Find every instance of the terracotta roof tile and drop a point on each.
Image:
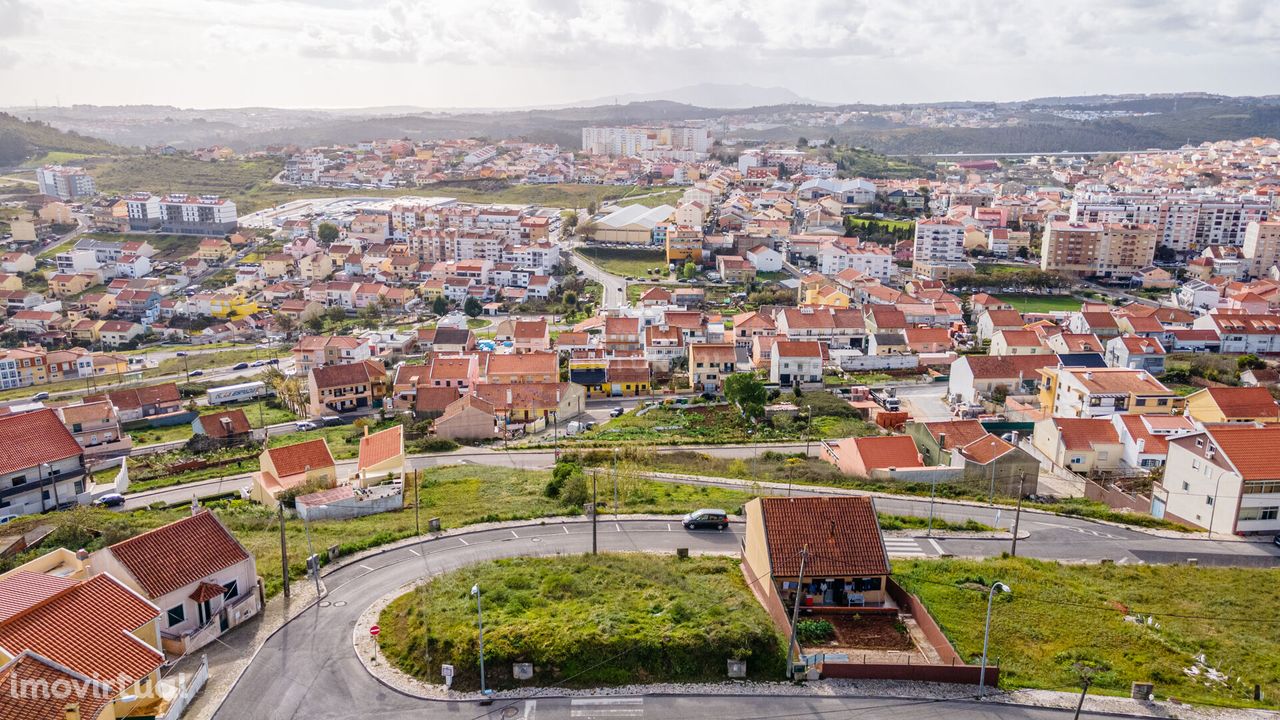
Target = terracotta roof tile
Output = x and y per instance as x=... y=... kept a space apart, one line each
x=173 y=556
x=295 y=459
x=1085 y=433
x=1245 y=402
x=381 y=446
x=842 y=535
x=896 y=451
x=33 y=438
x=1252 y=450
x=237 y=423
x=958 y=432
x=30 y=669
x=985 y=449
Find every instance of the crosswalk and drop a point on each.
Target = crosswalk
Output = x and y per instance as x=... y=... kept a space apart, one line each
x=606 y=707
x=904 y=547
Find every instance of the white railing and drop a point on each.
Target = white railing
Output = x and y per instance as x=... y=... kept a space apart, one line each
x=188 y=691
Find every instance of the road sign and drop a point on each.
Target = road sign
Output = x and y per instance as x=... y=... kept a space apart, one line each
x=446 y=671
x=375 y=630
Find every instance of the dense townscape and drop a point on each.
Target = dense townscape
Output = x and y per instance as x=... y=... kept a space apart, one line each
x=718 y=403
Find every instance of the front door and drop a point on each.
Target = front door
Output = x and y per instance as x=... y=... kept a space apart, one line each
x=204 y=612
x=224 y=622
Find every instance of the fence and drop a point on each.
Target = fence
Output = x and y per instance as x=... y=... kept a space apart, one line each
x=1115 y=498
x=188 y=692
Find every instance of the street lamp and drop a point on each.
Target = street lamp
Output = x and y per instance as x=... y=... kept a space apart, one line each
x=475 y=590
x=986 y=636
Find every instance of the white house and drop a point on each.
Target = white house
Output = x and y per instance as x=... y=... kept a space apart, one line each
x=796 y=362
x=764 y=258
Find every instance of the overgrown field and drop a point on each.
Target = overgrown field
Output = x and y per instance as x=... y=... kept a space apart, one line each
x=585 y=621
x=1124 y=623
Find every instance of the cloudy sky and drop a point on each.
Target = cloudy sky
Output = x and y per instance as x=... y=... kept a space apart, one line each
x=491 y=53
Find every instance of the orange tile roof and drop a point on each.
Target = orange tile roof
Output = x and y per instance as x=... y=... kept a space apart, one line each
x=173 y=556
x=1245 y=402
x=1085 y=433
x=958 y=432
x=88 y=628
x=295 y=459
x=800 y=349
x=365 y=372
x=237 y=423
x=23 y=589
x=842 y=535
x=878 y=453
x=33 y=438
x=534 y=363
x=381 y=446
x=30 y=669
x=1252 y=450
x=985 y=449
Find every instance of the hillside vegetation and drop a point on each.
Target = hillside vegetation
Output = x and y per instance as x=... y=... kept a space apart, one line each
x=162 y=174
x=21 y=139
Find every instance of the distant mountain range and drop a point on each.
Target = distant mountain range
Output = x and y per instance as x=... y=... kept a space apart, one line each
x=1084 y=123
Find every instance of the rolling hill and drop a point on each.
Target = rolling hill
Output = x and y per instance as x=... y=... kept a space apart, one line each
x=21 y=140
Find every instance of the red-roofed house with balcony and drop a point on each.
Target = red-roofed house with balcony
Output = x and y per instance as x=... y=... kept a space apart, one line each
x=346 y=388
x=41 y=464
x=195 y=571
x=796 y=362
x=1224 y=480
x=381 y=457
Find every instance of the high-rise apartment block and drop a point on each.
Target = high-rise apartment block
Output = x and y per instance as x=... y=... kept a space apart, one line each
x=65 y=183
x=681 y=142
x=1261 y=249
x=1113 y=251
x=1185 y=223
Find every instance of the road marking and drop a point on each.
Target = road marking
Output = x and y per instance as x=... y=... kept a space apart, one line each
x=565 y=528
x=463 y=541
x=606 y=707
x=904 y=547
x=366 y=567
x=415 y=552
x=936 y=546
x=668 y=527
x=513 y=534
x=617 y=527
x=530 y=709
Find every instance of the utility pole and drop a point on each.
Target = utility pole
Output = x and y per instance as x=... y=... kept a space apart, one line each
x=1017 y=514
x=594 y=514
x=615 y=482
x=475 y=590
x=795 y=609
x=1085 y=682
x=311 y=553
x=284 y=551
x=933 y=488
x=417 y=523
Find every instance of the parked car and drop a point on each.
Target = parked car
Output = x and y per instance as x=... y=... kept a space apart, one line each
x=241 y=366
x=195 y=373
x=110 y=500
x=304 y=425
x=181 y=353
x=617 y=412
x=257 y=363
x=6 y=519
x=329 y=420
x=706 y=518
x=42 y=395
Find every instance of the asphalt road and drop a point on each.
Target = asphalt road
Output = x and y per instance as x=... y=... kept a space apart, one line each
x=615 y=287
x=309 y=668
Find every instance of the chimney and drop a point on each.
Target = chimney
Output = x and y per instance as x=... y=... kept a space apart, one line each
x=1142 y=445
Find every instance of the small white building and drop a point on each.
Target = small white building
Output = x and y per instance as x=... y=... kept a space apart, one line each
x=764 y=258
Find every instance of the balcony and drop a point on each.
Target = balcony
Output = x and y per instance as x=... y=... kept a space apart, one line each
x=239 y=611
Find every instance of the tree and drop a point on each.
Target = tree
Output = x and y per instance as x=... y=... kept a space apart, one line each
x=571 y=299
x=371 y=313
x=1023 y=253
x=802 y=142
x=689 y=270
x=570 y=221
x=286 y=323
x=591 y=208
x=336 y=313
x=327 y=232
x=1250 y=362
x=472 y=307
x=747 y=392
x=439 y=306
x=315 y=323
x=587 y=229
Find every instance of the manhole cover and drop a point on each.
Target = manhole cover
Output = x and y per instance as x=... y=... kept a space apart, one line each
x=324 y=603
x=340 y=603
x=537 y=539
x=510 y=711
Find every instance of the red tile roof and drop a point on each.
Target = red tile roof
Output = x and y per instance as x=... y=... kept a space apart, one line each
x=1252 y=450
x=1085 y=433
x=34 y=438
x=381 y=446
x=1245 y=402
x=88 y=628
x=24 y=589
x=237 y=423
x=135 y=398
x=365 y=372
x=295 y=459
x=30 y=669
x=173 y=556
x=958 y=432
x=890 y=451
x=842 y=535
x=985 y=449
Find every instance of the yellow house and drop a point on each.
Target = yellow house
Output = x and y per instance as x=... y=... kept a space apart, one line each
x=828 y=295
x=315 y=267
x=214 y=250
x=381 y=457
x=1233 y=404
x=108 y=364
x=684 y=243
x=57 y=213
x=25 y=365
x=293 y=467
x=277 y=265
x=87 y=330
x=9 y=281
x=100 y=303
x=231 y=304
x=64 y=284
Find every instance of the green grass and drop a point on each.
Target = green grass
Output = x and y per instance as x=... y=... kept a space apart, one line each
x=160 y=174
x=997 y=269
x=668 y=197
x=55 y=157
x=1060 y=615
x=626 y=261
x=890 y=224
x=168 y=246
x=1041 y=303
x=585 y=621
x=152 y=436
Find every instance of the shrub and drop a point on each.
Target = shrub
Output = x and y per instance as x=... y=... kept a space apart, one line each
x=809 y=632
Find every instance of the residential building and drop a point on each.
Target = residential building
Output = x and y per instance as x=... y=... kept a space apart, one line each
x=796 y=363
x=1145 y=438
x=1261 y=248
x=1233 y=405
x=195 y=571
x=292 y=467
x=144 y=402
x=1224 y=479
x=1110 y=251
x=196 y=214
x=867 y=457
x=65 y=183
x=1101 y=392
x=313 y=351
x=939 y=242
x=1136 y=353
x=96 y=427
x=346 y=388
x=710 y=364
x=43 y=467
x=1082 y=445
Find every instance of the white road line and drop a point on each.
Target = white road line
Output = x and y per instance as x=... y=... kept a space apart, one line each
x=565 y=528
x=513 y=534
x=936 y=546
x=463 y=541
x=617 y=527
x=608 y=701
x=668 y=527
x=530 y=709
x=366 y=567
x=415 y=552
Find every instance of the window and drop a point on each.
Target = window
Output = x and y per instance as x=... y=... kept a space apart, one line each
x=1208 y=499
x=1260 y=513
x=1256 y=487
x=1078 y=460
x=230 y=591
x=177 y=615
x=1186 y=485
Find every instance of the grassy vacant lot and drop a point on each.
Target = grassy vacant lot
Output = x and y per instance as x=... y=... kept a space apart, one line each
x=1058 y=616
x=168 y=247
x=265 y=194
x=54 y=157
x=626 y=261
x=667 y=197
x=458 y=495
x=891 y=224
x=1041 y=303
x=181 y=174
x=585 y=621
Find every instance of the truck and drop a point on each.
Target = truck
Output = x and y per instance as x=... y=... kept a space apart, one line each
x=238 y=393
x=887 y=398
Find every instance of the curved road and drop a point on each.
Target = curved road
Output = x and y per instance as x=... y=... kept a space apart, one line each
x=309 y=670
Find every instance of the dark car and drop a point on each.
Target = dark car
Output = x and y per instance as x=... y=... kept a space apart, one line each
x=195 y=373
x=618 y=412
x=110 y=500
x=706 y=518
x=1276 y=539
x=241 y=366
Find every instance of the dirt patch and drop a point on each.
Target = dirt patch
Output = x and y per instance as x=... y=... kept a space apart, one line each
x=867 y=632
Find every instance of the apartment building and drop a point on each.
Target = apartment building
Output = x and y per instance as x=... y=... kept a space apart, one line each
x=1184 y=223
x=65 y=183
x=938 y=249
x=1102 y=392
x=1223 y=479
x=1114 y=251
x=1261 y=247
x=189 y=214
